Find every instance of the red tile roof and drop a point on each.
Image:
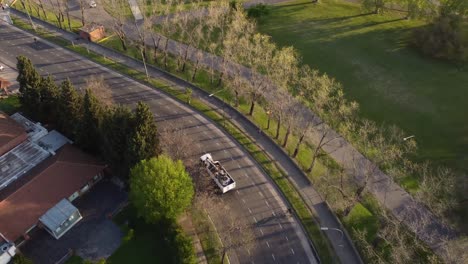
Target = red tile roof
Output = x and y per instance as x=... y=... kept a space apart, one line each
x=11 y=133
x=57 y=178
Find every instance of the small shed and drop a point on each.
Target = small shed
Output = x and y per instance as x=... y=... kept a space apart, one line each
x=92 y=32
x=4 y=84
x=60 y=218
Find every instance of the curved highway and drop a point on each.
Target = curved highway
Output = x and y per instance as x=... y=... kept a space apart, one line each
x=279 y=238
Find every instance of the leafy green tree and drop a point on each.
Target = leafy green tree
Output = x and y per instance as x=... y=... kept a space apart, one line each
x=116 y=128
x=183 y=247
x=143 y=142
x=160 y=188
x=29 y=81
x=49 y=99
x=88 y=132
x=69 y=108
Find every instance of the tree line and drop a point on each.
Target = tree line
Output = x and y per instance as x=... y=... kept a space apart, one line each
x=160 y=188
x=122 y=137
x=300 y=100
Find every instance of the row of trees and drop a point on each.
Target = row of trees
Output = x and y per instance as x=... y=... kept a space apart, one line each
x=121 y=136
x=160 y=188
x=254 y=69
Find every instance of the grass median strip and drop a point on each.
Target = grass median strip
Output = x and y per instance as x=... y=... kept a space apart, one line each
x=305 y=215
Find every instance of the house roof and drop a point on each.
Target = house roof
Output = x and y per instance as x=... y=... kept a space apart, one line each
x=57 y=215
x=11 y=133
x=56 y=178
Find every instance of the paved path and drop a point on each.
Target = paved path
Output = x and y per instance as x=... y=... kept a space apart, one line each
x=281 y=240
x=135 y=10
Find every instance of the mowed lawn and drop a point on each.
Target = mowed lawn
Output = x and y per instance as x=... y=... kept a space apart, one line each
x=393 y=83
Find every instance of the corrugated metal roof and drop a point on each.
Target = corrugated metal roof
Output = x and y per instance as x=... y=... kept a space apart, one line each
x=58 y=214
x=20 y=160
x=35 y=130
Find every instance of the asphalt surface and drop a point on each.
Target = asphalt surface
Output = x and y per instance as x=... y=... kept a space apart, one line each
x=279 y=237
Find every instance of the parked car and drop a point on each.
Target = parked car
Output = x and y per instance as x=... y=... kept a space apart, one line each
x=92 y=4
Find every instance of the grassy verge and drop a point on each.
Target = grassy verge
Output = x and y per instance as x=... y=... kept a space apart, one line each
x=119 y=8
x=10 y=104
x=207 y=235
x=49 y=16
x=291 y=194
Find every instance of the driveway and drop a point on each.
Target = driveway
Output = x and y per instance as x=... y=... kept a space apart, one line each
x=94 y=237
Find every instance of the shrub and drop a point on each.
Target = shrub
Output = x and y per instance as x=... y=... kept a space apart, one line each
x=443 y=39
x=258 y=11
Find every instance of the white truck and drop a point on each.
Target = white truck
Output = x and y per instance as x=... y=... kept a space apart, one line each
x=218 y=173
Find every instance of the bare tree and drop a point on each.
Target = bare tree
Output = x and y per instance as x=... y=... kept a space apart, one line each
x=58 y=12
x=305 y=121
x=82 y=8
x=100 y=89
x=43 y=10
x=234 y=232
x=117 y=11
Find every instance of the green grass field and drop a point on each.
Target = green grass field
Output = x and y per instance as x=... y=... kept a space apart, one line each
x=147 y=245
x=393 y=83
x=10 y=104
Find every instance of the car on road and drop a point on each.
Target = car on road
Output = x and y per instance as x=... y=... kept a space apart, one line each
x=92 y=4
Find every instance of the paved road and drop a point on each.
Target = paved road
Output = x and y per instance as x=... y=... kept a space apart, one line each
x=280 y=240
x=393 y=197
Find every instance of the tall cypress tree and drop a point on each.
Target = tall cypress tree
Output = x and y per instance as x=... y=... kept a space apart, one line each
x=88 y=133
x=49 y=98
x=29 y=81
x=116 y=126
x=144 y=141
x=69 y=109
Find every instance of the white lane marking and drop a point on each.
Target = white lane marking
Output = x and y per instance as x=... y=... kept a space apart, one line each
x=261 y=194
x=237 y=191
x=250 y=211
x=273 y=213
x=292 y=251
x=287 y=239
x=280 y=225
x=268 y=244
x=273 y=256
x=255 y=219
x=266 y=202
x=239 y=166
x=243 y=200
x=217 y=143
x=261 y=231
